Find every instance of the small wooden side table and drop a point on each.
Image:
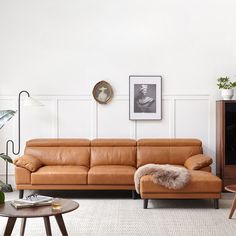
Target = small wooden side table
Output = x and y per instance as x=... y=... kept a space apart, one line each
x=232 y=189
x=6 y=210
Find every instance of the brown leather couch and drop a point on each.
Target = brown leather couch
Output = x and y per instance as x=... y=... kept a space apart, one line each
x=109 y=164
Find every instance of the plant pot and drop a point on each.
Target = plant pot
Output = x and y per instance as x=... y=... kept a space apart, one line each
x=227 y=94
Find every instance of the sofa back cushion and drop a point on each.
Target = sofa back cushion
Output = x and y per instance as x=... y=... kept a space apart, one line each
x=60 y=151
x=166 y=151
x=113 y=152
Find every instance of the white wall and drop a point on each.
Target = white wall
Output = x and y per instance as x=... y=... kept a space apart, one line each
x=58 y=50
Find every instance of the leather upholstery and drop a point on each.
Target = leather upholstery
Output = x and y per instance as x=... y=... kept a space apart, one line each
x=61 y=155
x=201 y=182
x=152 y=142
x=22 y=176
x=115 y=142
x=77 y=186
x=60 y=151
x=113 y=156
x=60 y=175
x=166 y=151
x=114 y=174
x=197 y=162
x=207 y=169
x=165 y=155
x=28 y=162
x=53 y=142
x=113 y=152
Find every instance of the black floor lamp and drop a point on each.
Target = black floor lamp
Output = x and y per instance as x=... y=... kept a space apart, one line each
x=29 y=101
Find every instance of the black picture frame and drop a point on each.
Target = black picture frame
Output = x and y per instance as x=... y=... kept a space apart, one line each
x=145 y=97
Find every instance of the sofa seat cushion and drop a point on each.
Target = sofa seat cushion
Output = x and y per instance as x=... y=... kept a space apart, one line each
x=200 y=182
x=111 y=174
x=60 y=175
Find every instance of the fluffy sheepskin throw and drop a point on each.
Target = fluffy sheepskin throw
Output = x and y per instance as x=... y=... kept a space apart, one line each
x=172 y=177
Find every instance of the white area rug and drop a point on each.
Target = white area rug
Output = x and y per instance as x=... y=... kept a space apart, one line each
x=126 y=217
x=105 y=217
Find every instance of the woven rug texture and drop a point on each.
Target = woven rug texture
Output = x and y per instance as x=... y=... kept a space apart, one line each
x=126 y=217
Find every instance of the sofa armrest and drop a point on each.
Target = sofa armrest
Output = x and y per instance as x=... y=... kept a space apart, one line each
x=197 y=162
x=22 y=176
x=28 y=162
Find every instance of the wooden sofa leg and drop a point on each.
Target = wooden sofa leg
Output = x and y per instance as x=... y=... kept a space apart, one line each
x=21 y=193
x=216 y=203
x=145 y=203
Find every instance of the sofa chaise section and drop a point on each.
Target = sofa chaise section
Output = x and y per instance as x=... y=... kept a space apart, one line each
x=185 y=153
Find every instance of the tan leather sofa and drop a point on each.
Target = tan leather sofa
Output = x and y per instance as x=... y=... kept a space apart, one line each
x=109 y=164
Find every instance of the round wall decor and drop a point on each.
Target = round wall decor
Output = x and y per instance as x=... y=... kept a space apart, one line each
x=102 y=92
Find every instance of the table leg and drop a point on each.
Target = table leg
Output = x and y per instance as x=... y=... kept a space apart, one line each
x=47 y=225
x=10 y=225
x=61 y=224
x=22 y=227
x=232 y=208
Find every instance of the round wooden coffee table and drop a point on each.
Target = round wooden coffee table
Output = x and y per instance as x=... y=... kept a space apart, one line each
x=232 y=189
x=7 y=210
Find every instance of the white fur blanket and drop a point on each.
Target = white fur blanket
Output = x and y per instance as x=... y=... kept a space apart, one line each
x=172 y=177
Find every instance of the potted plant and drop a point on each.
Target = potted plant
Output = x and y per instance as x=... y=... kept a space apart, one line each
x=226 y=86
x=2 y=197
x=3 y=186
x=5 y=116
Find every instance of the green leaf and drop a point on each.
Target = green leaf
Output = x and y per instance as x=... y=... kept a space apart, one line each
x=6 y=158
x=225 y=83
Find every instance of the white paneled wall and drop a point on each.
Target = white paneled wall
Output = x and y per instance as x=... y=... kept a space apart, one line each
x=183 y=116
x=191 y=117
x=156 y=128
x=77 y=111
x=113 y=119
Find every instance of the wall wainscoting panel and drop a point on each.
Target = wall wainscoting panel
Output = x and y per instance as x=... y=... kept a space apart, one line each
x=79 y=116
x=75 y=118
x=157 y=128
x=113 y=119
x=191 y=119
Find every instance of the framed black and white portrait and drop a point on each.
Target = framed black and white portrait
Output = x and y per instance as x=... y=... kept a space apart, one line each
x=145 y=97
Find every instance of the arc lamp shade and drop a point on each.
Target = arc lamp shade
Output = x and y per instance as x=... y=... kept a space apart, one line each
x=29 y=101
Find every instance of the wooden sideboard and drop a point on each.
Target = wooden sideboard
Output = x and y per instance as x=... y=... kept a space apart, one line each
x=226 y=141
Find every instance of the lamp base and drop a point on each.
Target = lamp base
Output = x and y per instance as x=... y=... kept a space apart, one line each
x=5 y=187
